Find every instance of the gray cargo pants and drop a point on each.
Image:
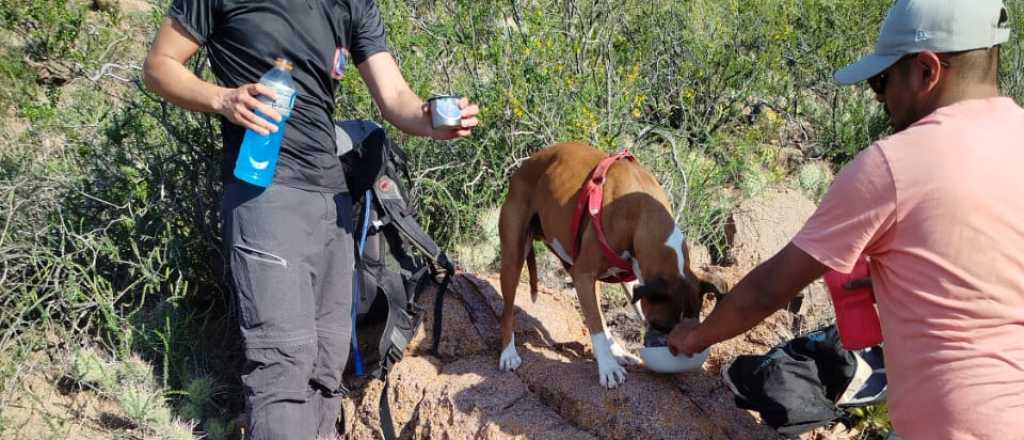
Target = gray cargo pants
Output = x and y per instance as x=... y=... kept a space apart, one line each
x=291 y=256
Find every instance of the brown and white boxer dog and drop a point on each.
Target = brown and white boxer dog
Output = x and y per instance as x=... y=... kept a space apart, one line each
x=638 y=224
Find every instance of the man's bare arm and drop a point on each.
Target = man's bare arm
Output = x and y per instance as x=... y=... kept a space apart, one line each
x=766 y=289
x=165 y=73
x=401 y=106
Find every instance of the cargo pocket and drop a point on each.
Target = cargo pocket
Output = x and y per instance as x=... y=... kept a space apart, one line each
x=266 y=294
x=263 y=256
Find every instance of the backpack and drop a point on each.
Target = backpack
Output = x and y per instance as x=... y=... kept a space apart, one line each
x=807 y=382
x=396 y=261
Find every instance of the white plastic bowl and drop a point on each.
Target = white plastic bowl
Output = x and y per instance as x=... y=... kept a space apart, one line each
x=660 y=360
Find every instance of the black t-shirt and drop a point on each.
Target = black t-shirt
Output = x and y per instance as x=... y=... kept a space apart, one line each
x=243 y=38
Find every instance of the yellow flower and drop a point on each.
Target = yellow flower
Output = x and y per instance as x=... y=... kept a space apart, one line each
x=634 y=74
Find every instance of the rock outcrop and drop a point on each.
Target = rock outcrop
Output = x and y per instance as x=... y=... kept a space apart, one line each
x=555 y=394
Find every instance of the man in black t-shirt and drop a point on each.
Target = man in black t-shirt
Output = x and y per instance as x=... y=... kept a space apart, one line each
x=290 y=245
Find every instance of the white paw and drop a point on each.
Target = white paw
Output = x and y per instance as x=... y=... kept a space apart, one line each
x=623 y=357
x=611 y=374
x=610 y=371
x=510 y=359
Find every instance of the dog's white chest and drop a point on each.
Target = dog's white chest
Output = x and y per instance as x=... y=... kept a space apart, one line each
x=675 y=242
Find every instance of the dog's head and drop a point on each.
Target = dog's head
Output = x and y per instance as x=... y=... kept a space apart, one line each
x=666 y=301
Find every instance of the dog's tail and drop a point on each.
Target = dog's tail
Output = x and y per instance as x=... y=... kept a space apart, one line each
x=531 y=266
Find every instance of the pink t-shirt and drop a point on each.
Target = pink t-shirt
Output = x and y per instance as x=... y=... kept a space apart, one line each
x=939 y=209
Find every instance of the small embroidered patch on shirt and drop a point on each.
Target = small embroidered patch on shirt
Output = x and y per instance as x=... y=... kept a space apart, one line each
x=340 y=63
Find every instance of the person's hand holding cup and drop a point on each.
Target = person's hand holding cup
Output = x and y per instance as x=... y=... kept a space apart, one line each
x=451 y=116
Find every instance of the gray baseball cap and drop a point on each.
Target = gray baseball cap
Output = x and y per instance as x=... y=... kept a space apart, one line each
x=939 y=26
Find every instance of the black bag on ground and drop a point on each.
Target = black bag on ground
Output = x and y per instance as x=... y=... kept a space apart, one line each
x=807 y=382
x=396 y=260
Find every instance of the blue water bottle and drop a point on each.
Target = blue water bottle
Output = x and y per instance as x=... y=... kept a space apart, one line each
x=257 y=157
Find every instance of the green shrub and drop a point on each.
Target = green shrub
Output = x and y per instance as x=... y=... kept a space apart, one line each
x=89 y=368
x=144 y=406
x=872 y=419
x=176 y=430
x=814 y=179
x=50 y=28
x=135 y=371
x=217 y=430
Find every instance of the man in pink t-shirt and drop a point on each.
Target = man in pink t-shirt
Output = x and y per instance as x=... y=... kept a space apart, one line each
x=938 y=208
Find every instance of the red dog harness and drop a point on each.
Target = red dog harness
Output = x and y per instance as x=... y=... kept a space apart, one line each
x=591 y=198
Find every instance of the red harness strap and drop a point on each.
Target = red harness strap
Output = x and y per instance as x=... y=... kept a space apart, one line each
x=591 y=198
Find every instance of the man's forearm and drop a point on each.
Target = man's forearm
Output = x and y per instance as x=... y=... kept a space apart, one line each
x=766 y=289
x=398 y=103
x=405 y=111
x=173 y=81
x=741 y=309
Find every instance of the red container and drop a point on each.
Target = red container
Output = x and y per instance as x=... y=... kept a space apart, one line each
x=856 y=316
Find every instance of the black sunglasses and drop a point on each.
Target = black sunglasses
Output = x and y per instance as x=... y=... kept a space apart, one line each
x=877 y=82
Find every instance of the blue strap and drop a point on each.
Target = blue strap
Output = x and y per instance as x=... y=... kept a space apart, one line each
x=357 y=356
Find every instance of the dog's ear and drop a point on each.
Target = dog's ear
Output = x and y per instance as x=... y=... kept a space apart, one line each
x=713 y=283
x=639 y=292
x=652 y=293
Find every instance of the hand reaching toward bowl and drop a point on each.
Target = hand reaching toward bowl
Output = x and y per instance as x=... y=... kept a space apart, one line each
x=683 y=340
x=658 y=358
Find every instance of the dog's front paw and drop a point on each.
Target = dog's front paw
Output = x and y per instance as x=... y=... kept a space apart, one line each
x=510 y=359
x=623 y=357
x=609 y=369
x=611 y=376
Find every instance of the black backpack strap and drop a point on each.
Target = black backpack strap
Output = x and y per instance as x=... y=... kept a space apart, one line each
x=412 y=230
x=387 y=422
x=402 y=320
x=439 y=309
x=364 y=226
x=397 y=340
